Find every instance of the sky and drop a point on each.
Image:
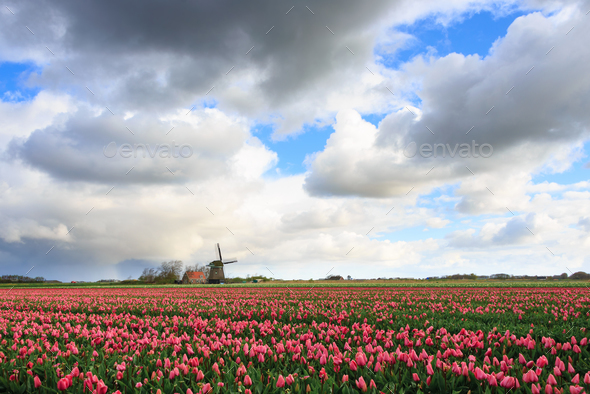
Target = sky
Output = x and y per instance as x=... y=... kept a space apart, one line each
x=398 y=140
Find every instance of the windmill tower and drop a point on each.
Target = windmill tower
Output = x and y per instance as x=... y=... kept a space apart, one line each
x=216 y=274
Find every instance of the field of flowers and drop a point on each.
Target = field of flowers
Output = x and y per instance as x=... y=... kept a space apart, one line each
x=272 y=340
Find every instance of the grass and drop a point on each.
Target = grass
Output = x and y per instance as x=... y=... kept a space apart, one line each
x=323 y=283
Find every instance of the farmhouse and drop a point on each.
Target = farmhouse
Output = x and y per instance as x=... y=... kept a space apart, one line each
x=192 y=277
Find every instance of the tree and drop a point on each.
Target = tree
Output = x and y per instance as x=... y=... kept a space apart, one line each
x=198 y=268
x=149 y=275
x=170 y=271
x=563 y=276
x=580 y=275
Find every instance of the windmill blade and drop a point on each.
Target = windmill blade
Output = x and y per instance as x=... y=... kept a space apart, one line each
x=218 y=252
x=230 y=260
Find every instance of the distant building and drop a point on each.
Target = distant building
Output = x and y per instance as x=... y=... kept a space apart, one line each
x=334 y=277
x=109 y=280
x=193 y=277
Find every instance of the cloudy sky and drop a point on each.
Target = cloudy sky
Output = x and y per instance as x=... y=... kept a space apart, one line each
x=299 y=136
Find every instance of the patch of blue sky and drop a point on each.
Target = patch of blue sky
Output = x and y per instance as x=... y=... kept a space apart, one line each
x=293 y=150
x=374 y=119
x=578 y=172
x=13 y=82
x=209 y=102
x=469 y=35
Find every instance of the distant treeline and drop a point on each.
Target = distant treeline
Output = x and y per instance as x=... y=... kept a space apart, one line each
x=580 y=275
x=173 y=271
x=170 y=272
x=20 y=279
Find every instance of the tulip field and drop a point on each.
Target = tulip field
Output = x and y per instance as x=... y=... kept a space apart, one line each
x=273 y=340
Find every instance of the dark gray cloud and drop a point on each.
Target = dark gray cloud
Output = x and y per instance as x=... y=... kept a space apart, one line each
x=157 y=56
x=544 y=112
x=88 y=148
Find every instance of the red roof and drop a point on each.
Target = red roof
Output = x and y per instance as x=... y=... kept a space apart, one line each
x=195 y=275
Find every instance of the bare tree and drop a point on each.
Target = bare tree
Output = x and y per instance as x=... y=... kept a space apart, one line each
x=198 y=268
x=171 y=270
x=149 y=275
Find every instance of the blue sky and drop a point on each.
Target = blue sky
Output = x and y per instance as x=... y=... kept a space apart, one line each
x=13 y=77
x=474 y=34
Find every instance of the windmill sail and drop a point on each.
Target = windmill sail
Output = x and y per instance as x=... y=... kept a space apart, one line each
x=230 y=260
x=218 y=252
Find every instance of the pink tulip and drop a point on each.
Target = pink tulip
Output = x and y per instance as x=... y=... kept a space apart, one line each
x=576 y=379
x=290 y=379
x=508 y=382
x=247 y=380
x=361 y=359
x=492 y=381
x=536 y=389
x=479 y=374
x=542 y=361
x=551 y=380
x=530 y=377
x=576 y=389
x=37 y=382
x=429 y=369
x=548 y=389
x=281 y=381
x=63 y=384
x=360 y=384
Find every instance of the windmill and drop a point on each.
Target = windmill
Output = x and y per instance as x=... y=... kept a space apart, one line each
x=216 y=274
